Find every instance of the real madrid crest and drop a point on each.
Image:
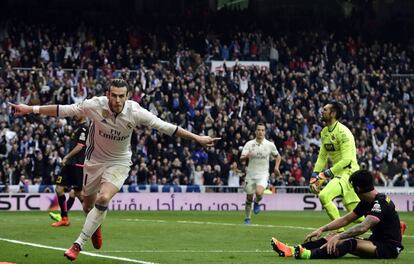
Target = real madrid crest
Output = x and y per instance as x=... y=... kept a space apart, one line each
x=129 y=125
x=105 y=113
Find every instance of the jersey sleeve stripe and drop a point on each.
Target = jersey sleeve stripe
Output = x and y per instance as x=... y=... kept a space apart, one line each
x=91 y=146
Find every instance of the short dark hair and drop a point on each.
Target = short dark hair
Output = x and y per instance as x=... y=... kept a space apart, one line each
x=260 y=124
x=118 y=82
x=362 y=181
x=337 y=108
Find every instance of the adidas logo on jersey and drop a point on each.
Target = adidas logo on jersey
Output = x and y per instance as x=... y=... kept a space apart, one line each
x=376 y=208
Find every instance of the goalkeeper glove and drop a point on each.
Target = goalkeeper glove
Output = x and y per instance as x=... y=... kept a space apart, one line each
x=318 y=179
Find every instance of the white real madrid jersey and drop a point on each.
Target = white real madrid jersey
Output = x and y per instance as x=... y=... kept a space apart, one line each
x=260 y=156
x=109 y=134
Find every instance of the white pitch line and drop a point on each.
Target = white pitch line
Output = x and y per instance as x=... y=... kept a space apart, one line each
x=253 y=225
x=215 y=223
x=82 y=252
x=187 y=251
x=226 y=224
x=202 y=251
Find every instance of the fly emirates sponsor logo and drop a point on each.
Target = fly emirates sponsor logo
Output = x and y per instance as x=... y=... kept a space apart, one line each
x=113 y=135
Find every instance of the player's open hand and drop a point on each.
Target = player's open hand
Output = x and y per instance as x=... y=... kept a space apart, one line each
x=21 y=109
x=207 y=141
x=314 y=235
x=331 y=244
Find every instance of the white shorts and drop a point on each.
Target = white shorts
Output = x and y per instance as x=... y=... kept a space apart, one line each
x=251 y=184
x=96 y=174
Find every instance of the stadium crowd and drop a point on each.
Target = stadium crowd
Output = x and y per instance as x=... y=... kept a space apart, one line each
x=169 y=72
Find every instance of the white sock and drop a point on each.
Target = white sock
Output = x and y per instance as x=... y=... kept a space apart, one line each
x=93 y=220
x=248 y=209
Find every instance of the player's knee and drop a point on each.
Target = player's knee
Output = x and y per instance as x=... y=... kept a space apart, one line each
x=249 y=198
x=103 y=199
x=259 y=191
x=324 y=198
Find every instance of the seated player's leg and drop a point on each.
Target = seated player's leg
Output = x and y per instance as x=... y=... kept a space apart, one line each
x=377 y=249
x=250 y=189
x=343 y=247
x=260 y=187
x=365 y=249
x=329 y=192
x=314 y=244
x=283 y=250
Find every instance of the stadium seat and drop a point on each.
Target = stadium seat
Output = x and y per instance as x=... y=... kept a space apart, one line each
x=154 y=188
x=177 y=188
x=133 y=188
x=166 y=188
x=196 y=188
x=46 y=188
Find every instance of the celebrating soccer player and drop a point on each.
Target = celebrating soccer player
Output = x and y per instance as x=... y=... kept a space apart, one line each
x=108 y=154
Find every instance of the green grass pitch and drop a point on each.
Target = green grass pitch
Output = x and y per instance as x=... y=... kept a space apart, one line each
x=170 y=237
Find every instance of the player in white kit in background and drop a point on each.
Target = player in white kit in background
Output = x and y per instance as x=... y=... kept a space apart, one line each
x=258 y=152
x=108 y=154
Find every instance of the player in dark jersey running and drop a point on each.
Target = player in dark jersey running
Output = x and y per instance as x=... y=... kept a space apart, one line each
x=71 y=177
x=380 y=217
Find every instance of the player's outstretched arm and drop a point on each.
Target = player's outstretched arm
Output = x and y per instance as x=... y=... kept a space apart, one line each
x=22 y=109
x=204 y=141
